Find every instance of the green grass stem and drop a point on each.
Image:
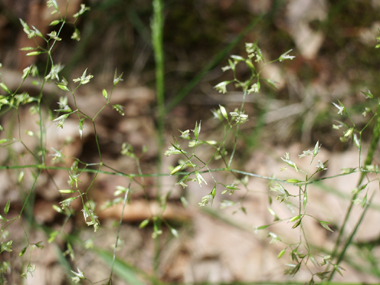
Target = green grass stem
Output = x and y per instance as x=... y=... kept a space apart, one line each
x=157 y=41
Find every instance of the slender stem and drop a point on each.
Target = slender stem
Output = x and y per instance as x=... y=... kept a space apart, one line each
x=157 y=41
x=157 y=35
x=118 y=231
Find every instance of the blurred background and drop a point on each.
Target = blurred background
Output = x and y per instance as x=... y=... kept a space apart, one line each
x=335 y=59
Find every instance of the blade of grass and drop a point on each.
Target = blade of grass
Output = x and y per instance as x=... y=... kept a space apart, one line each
x=64 y=264
x=139 y=26
x=62 y=260
x=277 y=7
x=127 y=272
x=217 y=214
x=211 y=64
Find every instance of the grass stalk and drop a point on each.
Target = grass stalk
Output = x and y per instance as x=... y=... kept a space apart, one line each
x=157 y=41
x=157 y=38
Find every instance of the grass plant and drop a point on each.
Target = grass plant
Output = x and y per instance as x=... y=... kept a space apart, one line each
x=193 y=166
